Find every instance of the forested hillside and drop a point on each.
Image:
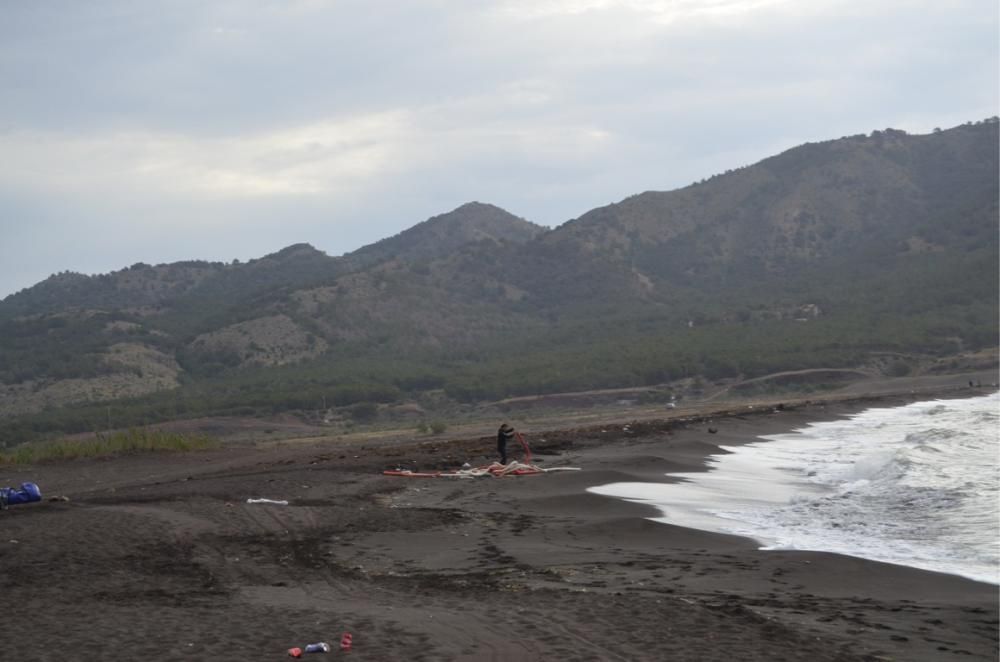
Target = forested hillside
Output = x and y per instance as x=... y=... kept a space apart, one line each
x=833 y=254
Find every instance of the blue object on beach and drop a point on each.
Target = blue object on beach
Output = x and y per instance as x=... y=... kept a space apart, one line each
x=12 y=496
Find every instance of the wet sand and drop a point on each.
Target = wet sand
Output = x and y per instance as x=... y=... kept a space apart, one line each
x=160 y=557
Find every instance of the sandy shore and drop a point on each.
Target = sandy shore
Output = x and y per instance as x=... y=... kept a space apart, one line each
x=160 y=557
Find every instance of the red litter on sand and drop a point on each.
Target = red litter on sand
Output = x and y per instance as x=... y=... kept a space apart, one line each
x=321 y=647
x=346 y=641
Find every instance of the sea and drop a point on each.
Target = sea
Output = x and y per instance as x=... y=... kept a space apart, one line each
x=915 y=485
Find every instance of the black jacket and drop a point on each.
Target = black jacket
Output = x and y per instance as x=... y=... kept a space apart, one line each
x=503 y=436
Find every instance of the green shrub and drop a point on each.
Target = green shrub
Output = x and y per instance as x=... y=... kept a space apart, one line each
x=364 y=412
x=898 y=369
x=119 y=443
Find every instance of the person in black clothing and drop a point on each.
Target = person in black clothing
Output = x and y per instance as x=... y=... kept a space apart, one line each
x=504 y=434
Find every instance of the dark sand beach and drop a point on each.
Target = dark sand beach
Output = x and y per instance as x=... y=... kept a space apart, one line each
x=160 y=557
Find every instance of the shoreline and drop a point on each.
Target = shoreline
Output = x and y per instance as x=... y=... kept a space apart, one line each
x=694 y=507
x=163 y=554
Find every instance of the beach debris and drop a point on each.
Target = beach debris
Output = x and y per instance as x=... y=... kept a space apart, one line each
x=59 y=498
x=712 y=430
x=497 y=470
x=346 y=642
x=275 y=502
x=321 y=647
x=12 y=496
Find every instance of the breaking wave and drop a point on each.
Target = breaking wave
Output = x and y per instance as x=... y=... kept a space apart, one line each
x=917 y=485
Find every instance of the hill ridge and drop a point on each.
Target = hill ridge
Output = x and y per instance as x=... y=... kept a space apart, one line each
x=833 y=254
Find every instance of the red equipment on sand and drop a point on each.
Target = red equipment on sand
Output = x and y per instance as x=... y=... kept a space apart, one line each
x=524 y=445
x=496 y=469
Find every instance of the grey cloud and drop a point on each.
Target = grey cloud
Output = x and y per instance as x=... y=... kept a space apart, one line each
x=339 y=123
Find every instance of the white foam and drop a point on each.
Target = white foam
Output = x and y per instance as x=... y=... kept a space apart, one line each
x=917 y=485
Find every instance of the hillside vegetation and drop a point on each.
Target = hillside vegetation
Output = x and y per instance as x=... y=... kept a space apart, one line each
x=830 y=255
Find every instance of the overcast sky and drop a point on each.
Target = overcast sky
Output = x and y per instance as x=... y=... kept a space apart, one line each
x=221 y=129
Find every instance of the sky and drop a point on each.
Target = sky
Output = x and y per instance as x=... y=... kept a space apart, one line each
x=217 y=130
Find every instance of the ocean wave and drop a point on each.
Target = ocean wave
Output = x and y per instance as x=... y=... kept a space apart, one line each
x=915 y=485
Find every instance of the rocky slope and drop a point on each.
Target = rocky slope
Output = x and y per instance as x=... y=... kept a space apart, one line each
x=867 y=243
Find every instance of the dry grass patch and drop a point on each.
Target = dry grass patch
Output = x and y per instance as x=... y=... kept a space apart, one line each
x=103 y=445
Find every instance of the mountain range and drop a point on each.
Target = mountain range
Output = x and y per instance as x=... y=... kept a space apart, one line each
x=875 y=250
